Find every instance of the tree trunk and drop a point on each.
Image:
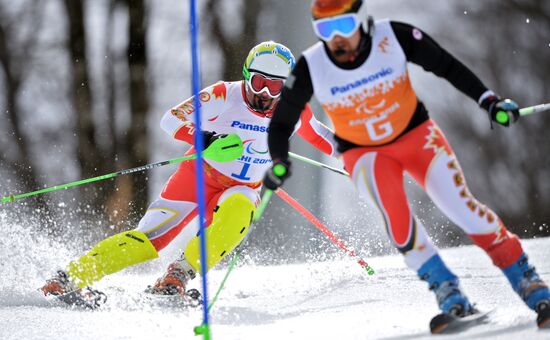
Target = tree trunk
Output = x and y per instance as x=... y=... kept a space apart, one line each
x=90 y=158
x=21 y=163
x=234 y=49
x=137 y=138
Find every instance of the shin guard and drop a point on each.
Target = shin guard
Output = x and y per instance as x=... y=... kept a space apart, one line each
x=229 y=227
x=111 y=255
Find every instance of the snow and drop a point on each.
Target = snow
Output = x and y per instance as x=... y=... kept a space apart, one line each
x=334 y=299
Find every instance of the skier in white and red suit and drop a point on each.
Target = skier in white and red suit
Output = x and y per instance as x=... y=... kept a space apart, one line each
x=232 y=188
x=358 y=72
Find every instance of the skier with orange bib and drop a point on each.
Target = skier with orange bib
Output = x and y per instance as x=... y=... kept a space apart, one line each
x=358 y=72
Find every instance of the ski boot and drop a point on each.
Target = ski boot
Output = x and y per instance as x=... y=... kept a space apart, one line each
x=58 y=285
x=531 y=288
x=174 y=282
x=445 y=286
x=457 y=312
x=60 y=288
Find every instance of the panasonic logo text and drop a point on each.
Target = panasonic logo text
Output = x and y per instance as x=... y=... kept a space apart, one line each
x=361 y=82
x=250 y=127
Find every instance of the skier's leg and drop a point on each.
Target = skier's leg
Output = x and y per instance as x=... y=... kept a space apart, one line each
x=443 y=180
x=233 y=212
x=230 y=224
x=164 y=219
x=111 y=255
x=162 y=222
x=379 y=180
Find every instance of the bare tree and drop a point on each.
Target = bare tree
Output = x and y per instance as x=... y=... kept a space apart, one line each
x=15 y=57
x=514 y=166
x=136 y=140
x=91 y=158
x=233 y=47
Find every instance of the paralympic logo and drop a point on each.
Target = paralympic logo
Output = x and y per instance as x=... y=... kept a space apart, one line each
x=250 y=150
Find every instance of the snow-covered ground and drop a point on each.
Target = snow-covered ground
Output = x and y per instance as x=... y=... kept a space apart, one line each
x=323 y=300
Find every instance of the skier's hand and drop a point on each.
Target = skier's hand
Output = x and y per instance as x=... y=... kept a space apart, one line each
x=501 y=111
x=276 y=175
x=208 y=137
x=222 y=147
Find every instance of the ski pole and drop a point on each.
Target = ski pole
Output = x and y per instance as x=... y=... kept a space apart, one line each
x=267 y=194
x=279 y=170
x=234 y=259
x=534 y=109
x=263 y=204
x=335 y=240
x=503 y=118
x=319 y=164
x=12 y=198
x=221 y=150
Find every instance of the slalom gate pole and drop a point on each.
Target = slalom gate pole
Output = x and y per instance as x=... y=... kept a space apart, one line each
x=319 y=225
x=204 y=328
x=534 y=109
x=12 y=198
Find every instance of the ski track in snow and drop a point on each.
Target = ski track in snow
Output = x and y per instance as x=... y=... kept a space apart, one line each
x=324 y=300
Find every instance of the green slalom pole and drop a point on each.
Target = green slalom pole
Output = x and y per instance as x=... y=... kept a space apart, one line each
x=12 y=198
x=503 y=118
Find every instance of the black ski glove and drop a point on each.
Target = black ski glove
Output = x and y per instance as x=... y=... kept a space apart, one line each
x=276 y=175
x=209 y=137
x=501 y=111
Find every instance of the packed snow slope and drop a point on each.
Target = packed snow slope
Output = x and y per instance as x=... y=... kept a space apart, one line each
x=319 y=300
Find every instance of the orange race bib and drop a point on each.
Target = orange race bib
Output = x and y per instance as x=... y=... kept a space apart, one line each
x=376 y=116
x=373 y=103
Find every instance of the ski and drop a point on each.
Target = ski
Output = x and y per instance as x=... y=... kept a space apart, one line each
x=192 y=297
x=543 y=316
x=86 y=298
x=447 y=323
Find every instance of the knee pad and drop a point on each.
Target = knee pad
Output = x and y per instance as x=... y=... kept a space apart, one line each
x=111 y=255
x=163 y=215
x=230 y=224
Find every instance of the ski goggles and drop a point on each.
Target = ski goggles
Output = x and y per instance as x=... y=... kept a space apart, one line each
x=260 y=83
x=344 y=25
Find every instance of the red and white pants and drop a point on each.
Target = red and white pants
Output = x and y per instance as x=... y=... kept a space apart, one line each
x=170 y=214
x=425 y=154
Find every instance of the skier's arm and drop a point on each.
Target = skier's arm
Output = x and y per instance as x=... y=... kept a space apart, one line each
x=296 y=93
x=422 y=50
x=316 y=133
x=178 y=122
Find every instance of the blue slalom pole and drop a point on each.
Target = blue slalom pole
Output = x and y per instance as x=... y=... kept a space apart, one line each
x=203 y=329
